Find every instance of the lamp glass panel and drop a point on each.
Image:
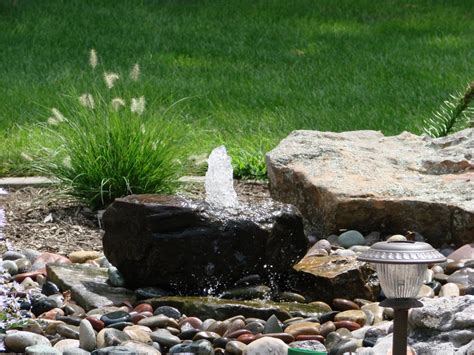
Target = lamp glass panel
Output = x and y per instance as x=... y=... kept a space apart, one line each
x=401 y=280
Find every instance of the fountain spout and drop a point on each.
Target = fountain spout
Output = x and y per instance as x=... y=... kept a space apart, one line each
x=219 y=181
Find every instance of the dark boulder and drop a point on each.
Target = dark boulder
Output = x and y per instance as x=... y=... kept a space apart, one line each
x=191 y=248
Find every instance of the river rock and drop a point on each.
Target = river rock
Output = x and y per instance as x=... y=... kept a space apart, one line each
x=444 y=323
x=18 y=341
x=42 y=350
x=87 y=336
x=88 y=285
x=266 y=346
x=365 y=181
x=323 y=278
x=216 y=246
x=216 y=308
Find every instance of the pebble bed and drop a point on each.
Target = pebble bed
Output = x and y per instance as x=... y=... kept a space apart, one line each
x=37 y=318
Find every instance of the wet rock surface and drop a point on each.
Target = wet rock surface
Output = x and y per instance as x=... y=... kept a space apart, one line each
x=366 y=181
x=171 y=242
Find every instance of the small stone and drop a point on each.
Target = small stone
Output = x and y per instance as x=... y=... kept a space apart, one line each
x=218 y=327
x=49 y=288
x=164 y=338
x=425 y=291
x=82 y=256
x=235 y=347
x=321 y=306
x=247 y=293
x=10 y=266
x=47 y=258
x=344 y=252
x=312 y=345
x=42 y=350
x=464 y=276
x=358 y=249
x=272 y=325
x=136 y=333
x=168 y=311
x=266 y=346
x=68 y=331
x=376 y=310
x=435 y=286
x=453 y=266
x=115 y=277
x=371 y=238
x=235 y=334
x=285 y=337
x=304 y=337
x=74 y=309
x=441 y=278
x=193 y=322
x=97 y=324
x=371 y=336
x=12 y=255
x=303 y=328
x=464 y=252
x=345 y=346
x=18 y=341
x=449 y=290
x=31 y=254
x=248 y=280
x=350 y=238
x=115 y=317
x=110 y=337
x=32 y=275
x=202 y=347
x=327 y=328
x=23 y=265
x=137 y=347
x=357 y=316
x=70 y=346
x=322 y=244
x=437 y=269
x=211 y=336
x=43 y=305
x=397 y=238
x=341 y=304
x=159 y=321
x=291 y=297
x=87 y=336
x=350 y=325
x=255 y=327
x=52 y=314
x=246 y=338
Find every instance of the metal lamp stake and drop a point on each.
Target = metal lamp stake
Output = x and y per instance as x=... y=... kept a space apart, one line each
x=400 y=267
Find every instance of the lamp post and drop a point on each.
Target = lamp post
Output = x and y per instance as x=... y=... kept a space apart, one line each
x=400 y=267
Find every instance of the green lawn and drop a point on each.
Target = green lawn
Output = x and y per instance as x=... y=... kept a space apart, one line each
x=251 y=70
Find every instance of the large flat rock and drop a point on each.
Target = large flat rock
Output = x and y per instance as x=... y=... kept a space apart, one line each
x=88 y=285
x=217 y=308
x=363 y=180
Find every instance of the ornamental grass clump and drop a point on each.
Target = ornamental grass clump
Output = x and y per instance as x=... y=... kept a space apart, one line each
x=104 y=145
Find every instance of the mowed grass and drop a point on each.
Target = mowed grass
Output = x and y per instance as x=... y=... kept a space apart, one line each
x=249 y=71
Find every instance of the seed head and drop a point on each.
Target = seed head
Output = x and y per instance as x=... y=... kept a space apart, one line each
x=117 y=103
x=53 y=121
x=58 y=115
x=110 y=79
x=87 y=100
x=138 y=105
x=93 y=58
x=26 y=156
x=135 y=72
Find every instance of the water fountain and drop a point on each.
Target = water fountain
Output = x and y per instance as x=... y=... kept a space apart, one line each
x=191 y=246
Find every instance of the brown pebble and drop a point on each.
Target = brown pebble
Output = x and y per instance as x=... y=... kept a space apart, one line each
x=341 y=304
x=285 y=337
x=234 y=325
x=143 y=307
x=453 y=266
x=32 y=274
x=347 y=324
x=319 y=338
x=236 y=333
x=441 y=278
x=194 y=322
x=327 y=328
x=218 y=327
x=247 y=338
x=97 y=324
x=52 y=314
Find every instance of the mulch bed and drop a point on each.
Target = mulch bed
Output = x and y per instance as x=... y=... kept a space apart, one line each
x=46 y=220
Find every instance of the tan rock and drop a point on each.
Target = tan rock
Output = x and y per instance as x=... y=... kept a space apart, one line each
x=354 y=315
x=82 y=256
x=303 y=328
x=376 y=310
x=138 y=334
x=366 y=181
x=66 y=344
x=449 y=290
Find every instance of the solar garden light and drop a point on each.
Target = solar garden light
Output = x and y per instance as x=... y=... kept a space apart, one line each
x=400 y=267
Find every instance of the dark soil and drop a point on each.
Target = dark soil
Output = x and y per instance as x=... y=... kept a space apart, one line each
x=46 y=220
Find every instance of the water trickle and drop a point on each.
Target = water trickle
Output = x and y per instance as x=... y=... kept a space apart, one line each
x=219 y=182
